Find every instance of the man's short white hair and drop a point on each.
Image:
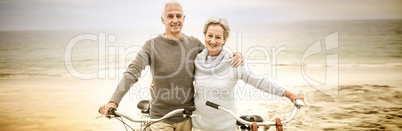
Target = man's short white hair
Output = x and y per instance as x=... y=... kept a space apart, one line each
x=171 y=2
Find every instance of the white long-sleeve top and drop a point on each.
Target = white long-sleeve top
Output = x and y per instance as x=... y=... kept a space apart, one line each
x=215 y=81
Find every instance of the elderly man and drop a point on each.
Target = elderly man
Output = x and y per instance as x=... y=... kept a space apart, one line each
x=171 y=57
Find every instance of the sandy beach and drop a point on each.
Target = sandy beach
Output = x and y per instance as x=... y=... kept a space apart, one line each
x=364 y=103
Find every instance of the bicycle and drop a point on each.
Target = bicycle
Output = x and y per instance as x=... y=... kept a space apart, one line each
x=252 y=122
x=145 y=121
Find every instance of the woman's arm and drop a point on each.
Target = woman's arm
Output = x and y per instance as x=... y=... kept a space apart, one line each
x=292 y=97
x=264 y=83
x=259 y=81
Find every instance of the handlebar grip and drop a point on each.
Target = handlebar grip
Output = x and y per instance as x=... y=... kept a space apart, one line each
x=190 y=108
x=212 y=104
x=299 y=103
x=111 y=111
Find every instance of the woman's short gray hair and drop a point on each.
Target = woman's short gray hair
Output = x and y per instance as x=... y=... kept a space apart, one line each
x=172 y=2
x=219 y=21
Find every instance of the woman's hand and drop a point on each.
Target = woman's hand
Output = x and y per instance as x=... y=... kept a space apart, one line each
x=104 y=109
x=237 y=60
x=292 y=97
x=152 y=87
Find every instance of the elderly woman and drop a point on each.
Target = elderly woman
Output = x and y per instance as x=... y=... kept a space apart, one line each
x=215 y=80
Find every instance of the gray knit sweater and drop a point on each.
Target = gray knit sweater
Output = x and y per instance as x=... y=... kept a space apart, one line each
x=172 y=68
x=215 y=81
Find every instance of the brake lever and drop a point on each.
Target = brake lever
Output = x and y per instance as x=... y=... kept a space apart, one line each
x=195 y=116
x=99 y=117
x=106 y=116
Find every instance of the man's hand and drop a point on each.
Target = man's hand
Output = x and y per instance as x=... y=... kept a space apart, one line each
x=103 y=109
x=237 y=60
x=152 y=86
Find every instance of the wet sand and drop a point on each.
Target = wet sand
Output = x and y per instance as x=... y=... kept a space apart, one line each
x=369 y=99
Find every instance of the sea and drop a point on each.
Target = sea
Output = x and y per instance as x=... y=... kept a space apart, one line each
x=364 y=43
x=362 y=59
x=43 y=54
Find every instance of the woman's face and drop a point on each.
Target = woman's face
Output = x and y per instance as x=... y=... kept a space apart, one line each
x=214 y=39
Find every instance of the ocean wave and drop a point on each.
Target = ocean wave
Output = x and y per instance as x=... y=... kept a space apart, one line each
x=29 y=75
x=49 y=72
x=339 y=65
x=371 y=65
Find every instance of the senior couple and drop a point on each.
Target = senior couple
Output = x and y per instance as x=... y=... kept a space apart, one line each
x=177 y=60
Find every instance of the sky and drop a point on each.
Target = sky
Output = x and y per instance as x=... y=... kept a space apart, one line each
x=129 y=14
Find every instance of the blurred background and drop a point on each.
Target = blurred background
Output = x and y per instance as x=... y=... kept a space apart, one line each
x=23 y=15
x=39 y=92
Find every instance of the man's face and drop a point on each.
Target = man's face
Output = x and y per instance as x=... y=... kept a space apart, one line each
x=173 y=19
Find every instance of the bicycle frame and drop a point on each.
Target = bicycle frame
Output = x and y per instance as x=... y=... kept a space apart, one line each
x=298 y=104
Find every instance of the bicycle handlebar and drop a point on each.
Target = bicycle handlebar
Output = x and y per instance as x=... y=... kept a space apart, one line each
x=298 y=104
x=213 y=105
x=187 y=112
